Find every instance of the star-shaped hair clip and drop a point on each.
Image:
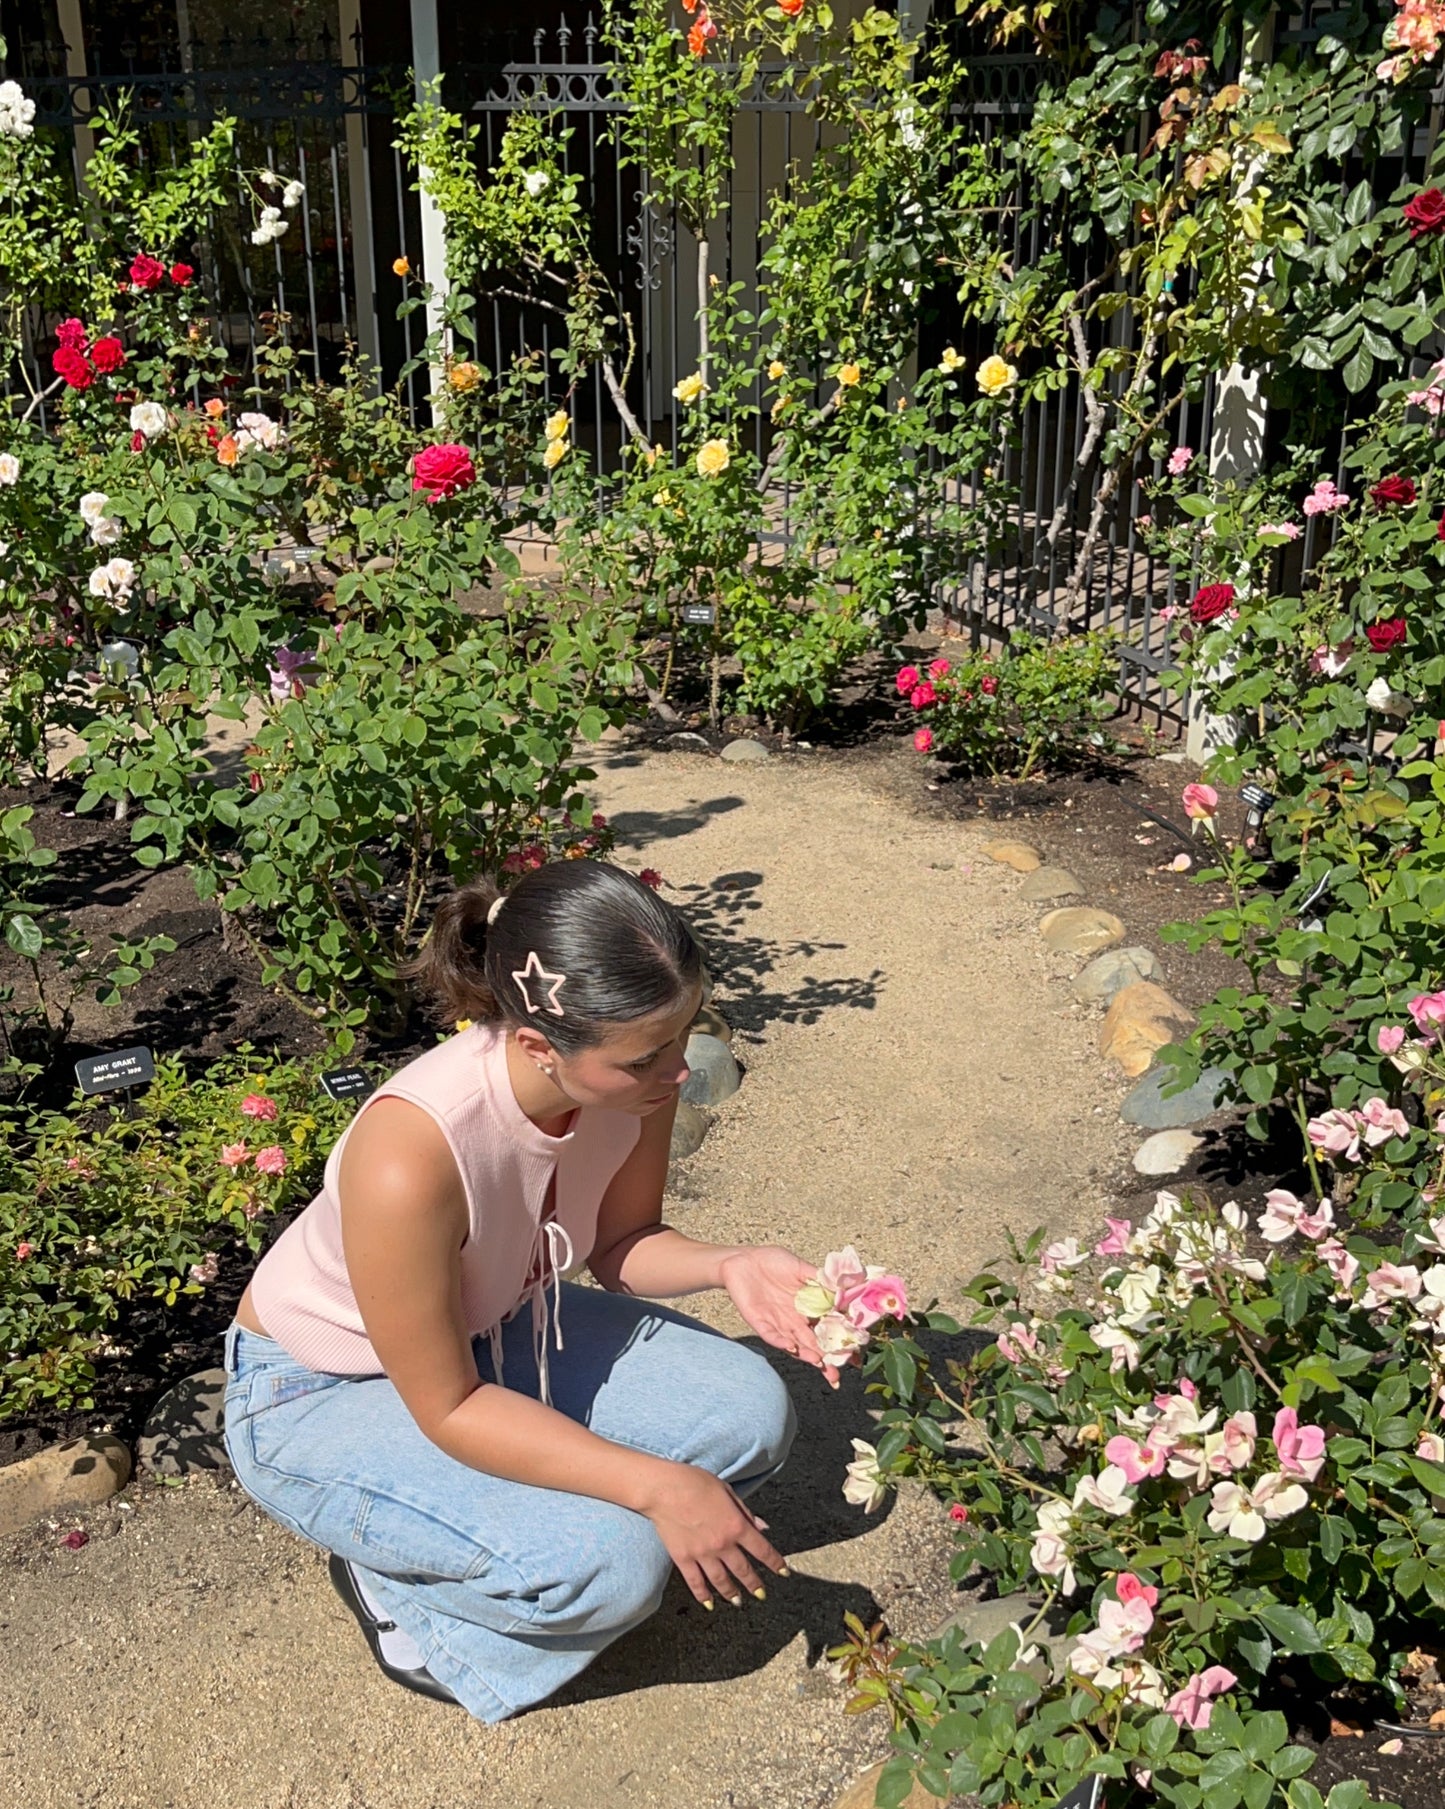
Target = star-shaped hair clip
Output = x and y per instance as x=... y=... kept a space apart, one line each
x=551 y=983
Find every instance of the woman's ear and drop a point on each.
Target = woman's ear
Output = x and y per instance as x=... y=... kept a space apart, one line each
x=534 y=1045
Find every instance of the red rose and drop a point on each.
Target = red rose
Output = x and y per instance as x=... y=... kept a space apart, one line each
x=1393 y=492
x=107 y=355
x=1211 y=601
x=988 y=684
x=147 y=273
x=1426 y=213
x=71 y=365
x=923 y=695
x=1382 y=636
x=181 y=275
x=442 y=471
x=137 y=442
x=651 y=877
x=1440 y=531
x=72 y=333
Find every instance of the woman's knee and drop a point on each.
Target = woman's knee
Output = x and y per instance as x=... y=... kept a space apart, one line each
x=618 y=1581
x=747 y=1425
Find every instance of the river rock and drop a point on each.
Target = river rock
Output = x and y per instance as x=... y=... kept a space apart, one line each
x=80 y=1473
x=714 y=1075
x=862 y=1793
x=183 y=1432
x=1141 y=1020
x=984 y=1621
x=1049 y=882
x=747 y=752
x=1146 y=1106
x=686 y=742
x=711 y=1022
x=1111 y=972
x=688 y=1130
x=1018 y=855
x=1166 y=1152
x=1080 y=930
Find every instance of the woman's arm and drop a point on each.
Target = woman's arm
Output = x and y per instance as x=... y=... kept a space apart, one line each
x=403 y=1223
x=636 y=1253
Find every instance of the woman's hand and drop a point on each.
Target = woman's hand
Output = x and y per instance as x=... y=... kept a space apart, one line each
x=762 y=1281
x=710 y=1535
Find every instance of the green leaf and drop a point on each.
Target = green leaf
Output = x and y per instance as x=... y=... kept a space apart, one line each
x=1295 y=1631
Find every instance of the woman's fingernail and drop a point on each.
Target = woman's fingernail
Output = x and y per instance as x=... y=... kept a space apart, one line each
x=760 y=1594
x=783 y=1571
x=709 y=1604
x=736 y=1600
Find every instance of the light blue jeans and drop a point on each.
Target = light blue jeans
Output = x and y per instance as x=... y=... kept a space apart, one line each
x=509 y=1590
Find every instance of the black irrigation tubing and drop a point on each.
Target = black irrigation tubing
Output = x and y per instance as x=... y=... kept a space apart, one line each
x=1415 y=1733
x=1181 y=835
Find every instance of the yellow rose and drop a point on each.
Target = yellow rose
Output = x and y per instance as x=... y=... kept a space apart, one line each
x=994 y=376
x=651 y=456
x=777 y=369
x=950 y=360
x=557 y=450
x=557 y=426
x=464 y=376
x=401 y=266
x=848 y=375
x=663 y=498
x=781 y=403
x=690 y=388
x=713 y=458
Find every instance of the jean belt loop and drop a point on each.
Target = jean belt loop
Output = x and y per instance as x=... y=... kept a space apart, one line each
x=233 y=1333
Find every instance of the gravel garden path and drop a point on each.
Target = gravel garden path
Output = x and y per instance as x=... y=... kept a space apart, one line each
x=917 y=1081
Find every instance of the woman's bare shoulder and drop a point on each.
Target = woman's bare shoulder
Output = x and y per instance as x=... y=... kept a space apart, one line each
x=398 y=1154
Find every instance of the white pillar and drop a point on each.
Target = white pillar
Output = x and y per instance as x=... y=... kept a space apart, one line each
x=72 y=31
x=358 y=187
x=426 y=67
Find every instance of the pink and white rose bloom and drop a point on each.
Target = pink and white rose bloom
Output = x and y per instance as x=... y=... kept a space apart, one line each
x=1139 y=1461
x=1243 y=1512
x=1123 y=1350
x=864 y=1486
x=838 y=1338
x=1108 y=1492
x=1284 y=1217
x=1381 y=1122
x=1301 y=1449
x=878 y=1296
x=1193 y=1705
x=1428 y=1011
x=1340 y=1263
x=1431 y=1447
x=1389 y=1283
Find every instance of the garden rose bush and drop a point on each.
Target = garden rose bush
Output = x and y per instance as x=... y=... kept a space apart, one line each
x=1201 y=1446
x=100 y=1211
x=1035 y=703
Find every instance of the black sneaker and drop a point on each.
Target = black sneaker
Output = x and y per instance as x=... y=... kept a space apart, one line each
x=420 y=1680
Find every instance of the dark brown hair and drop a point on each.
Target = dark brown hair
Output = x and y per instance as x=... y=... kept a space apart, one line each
x=626 y=953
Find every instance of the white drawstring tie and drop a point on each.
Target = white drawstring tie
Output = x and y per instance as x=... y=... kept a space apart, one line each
x=559 y=1258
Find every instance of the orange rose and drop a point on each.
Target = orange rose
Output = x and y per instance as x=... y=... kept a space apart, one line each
x=402 y=267
x=215 y=407
x=228 y=451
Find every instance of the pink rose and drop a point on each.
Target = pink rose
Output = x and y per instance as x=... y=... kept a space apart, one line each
x=1381 y=1122
x=1390 y=1037
x=940 y=669
x=1117 y=1242
x=1239 y=1433
x=907 y=680
x=1200 y=802
x=1139 y=1461
x=1301 y=1448
x=443 y=470
x=23 y=1250
x=233 y=1154
x=257 y=1105
x=207 y=1271
x=958 y=1513
x=1428 y=1010
x=923 y=695
x=271 y=1161
x=923 y=740
x=1128 y=1588
x=1193 y=1705
x=1338 y=1260
x=1179 y=460
x=879 y=1297
x=1017 y=1343
x=1337 y=1133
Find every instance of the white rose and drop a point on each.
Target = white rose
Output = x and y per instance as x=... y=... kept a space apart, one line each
x=1137 y=1294
x=864 y=1486
x=106 y=531
x=9 y=468
x=17 y=111
x=1389 y=703
x=93 y=506
x=292 y=193
x=535 y=181
x=149 y=418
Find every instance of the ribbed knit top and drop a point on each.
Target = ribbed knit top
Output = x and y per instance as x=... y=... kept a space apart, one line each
x=512 y=1250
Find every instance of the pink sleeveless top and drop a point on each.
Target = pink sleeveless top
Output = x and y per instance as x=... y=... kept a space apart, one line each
x=301 y=1290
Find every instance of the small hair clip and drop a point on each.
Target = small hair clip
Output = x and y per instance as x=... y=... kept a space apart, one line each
x=553 y=984
x=494 y=908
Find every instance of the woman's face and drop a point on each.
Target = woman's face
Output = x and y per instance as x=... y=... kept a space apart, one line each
x=638 y=1067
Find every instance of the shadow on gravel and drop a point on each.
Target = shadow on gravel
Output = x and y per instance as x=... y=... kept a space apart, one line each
x=804 y=1509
